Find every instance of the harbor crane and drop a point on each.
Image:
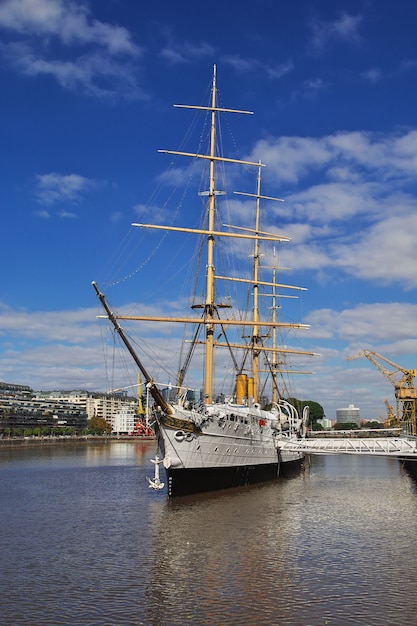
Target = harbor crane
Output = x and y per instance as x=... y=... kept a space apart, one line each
x=392 y=419
x=403 y=382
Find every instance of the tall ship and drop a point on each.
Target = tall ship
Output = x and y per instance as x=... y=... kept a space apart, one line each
x=216 y=440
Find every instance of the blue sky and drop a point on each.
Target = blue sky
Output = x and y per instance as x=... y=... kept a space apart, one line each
x=85 y=104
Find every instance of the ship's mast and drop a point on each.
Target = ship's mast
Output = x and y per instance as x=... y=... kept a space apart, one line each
x=213 y=158
x=209 y=305
x=255 y=331
x=210 y=318
x=256 y=338
x=274 y=365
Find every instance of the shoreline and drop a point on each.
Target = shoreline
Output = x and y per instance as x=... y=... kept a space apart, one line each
x=17 y=442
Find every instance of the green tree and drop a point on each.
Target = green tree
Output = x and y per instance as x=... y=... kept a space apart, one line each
x=346 y=426
x=316 y=411
x=373 y=424
x=98 y=426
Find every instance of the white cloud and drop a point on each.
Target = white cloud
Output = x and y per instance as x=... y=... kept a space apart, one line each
x=367 y=324
x=62 y=40
x=51 y=364
x=385 y=328
x=408 y=65
x=63 y=326
x=67 y=215
x=373 y=75
x=186 y=52
x=52 y=188
x=355 y=192
x=69 y=21
x=386 y=253
x=177 y=52
x=335 y=202
x=72 y=349
x=343 y=29
x=247 y=65
x=117 y=216
x=290 y=159
x=92 y=73
x=152 y=213
x=45 y=215
x=279 y=70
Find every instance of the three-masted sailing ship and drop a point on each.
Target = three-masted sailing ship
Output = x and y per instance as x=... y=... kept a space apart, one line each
x=221 y=442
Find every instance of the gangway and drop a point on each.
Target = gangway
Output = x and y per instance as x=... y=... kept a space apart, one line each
x=398 y=447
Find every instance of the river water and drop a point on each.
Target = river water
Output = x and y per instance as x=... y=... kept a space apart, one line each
x=83 y=540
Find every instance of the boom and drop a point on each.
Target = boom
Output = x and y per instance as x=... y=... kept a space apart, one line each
x=403 y=381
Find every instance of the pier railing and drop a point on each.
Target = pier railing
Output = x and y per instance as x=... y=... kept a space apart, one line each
x=401 y=447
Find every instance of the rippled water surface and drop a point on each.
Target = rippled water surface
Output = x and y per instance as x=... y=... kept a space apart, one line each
x=83 y=540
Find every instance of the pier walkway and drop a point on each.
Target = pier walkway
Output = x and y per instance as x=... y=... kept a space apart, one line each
x=400 y=447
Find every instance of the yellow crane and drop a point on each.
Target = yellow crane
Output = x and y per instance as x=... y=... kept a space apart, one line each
x=392 y=419
x=403 y=382
x=142 y=427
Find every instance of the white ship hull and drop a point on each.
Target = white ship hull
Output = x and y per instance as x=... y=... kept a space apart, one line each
x=230 y=445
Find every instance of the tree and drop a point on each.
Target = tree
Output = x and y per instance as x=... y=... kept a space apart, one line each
x=372 y=424
x=346 y=426
x=316 y=411
x=98 y=426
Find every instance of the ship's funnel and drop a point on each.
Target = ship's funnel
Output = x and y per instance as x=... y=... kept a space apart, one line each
x=251 y=389
x=241 y=388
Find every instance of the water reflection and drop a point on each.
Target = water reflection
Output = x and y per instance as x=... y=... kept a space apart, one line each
x=83 y=453
x=212 y=550
x=90 y=543
x=312 y=549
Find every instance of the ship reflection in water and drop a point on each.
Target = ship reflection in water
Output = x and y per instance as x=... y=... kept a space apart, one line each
x=85 y=541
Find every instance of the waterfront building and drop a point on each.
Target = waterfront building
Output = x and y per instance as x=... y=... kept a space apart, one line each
x=123 y=422
x=348 y=415
x=95 y=404
x=325 y=423
x=21 y=409
x=10 y=390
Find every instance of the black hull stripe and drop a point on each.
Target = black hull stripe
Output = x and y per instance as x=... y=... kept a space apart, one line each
x=183 y=482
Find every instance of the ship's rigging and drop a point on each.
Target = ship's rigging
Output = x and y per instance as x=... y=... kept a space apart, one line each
x=215 y=441
x=215 y=326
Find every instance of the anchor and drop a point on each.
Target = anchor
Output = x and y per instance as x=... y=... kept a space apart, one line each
x=155 y=483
